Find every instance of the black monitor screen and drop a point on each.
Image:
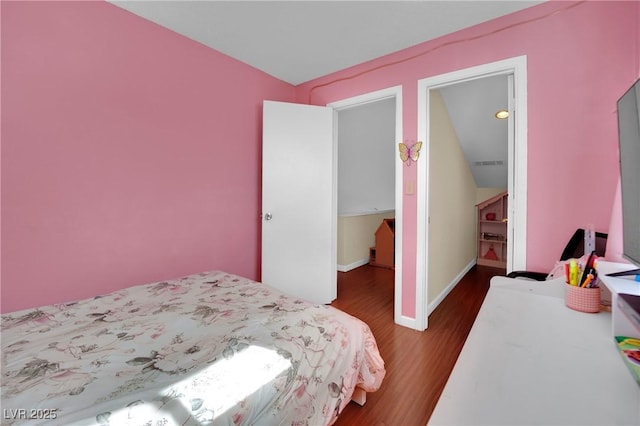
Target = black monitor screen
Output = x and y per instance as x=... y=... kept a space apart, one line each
x=629 y=140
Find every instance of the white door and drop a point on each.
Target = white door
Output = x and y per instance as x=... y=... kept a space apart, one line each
x=299 y=201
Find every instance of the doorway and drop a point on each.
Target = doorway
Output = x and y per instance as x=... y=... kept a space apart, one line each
x=388 y=96
x=515 y=71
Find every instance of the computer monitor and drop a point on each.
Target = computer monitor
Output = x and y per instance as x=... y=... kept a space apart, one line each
x=629 y=143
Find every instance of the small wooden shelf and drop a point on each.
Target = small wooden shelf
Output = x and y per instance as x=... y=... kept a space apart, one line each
x=383 y=254
x=492 y=231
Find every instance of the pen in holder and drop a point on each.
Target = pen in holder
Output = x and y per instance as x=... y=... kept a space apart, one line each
x=582 y=292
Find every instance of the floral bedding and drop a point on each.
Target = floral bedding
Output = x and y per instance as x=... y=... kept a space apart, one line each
x=210 y=348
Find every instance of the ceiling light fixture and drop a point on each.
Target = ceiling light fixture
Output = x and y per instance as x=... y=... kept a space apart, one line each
x=502 y=114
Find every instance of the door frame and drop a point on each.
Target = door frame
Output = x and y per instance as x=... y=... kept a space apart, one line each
x=379 y=95
x=517 y=167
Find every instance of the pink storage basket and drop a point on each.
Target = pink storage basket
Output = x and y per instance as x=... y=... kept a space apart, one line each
x=582 y=299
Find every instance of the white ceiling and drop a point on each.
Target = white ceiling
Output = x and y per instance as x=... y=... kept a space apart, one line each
x=297 y=41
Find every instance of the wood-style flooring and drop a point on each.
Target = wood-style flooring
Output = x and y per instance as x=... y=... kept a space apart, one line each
x=418 y=364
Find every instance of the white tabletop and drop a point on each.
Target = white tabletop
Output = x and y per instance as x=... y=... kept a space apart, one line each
x=531 y=360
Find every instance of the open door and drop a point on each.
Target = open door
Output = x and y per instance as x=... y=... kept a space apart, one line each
x=299 y=201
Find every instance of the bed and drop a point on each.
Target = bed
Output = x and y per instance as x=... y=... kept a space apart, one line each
x=209 y=348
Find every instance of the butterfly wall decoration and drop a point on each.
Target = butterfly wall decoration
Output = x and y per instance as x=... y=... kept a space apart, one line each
x=409 y=154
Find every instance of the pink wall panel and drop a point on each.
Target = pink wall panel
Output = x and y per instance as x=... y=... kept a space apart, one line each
x=129 y=154
x=581 y=57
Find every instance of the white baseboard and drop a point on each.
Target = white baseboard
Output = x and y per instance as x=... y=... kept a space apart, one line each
x=354 y=265
x=433 y=305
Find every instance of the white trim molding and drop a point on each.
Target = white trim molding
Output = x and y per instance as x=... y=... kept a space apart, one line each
x=353 y=265
x=391 y=92
x=517 y=67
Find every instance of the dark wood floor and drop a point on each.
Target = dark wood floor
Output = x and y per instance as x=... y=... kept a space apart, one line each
x=418 y=363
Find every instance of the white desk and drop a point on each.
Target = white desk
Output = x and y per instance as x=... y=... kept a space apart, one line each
x=531 y=360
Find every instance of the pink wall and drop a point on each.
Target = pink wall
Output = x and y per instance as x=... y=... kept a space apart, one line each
x=129 y=154
x=581 y=57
